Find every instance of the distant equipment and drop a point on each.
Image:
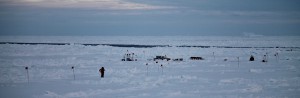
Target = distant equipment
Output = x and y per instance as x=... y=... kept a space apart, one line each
x=196 y=58
x=129 y=57
x=161 y=58
x=178 y=59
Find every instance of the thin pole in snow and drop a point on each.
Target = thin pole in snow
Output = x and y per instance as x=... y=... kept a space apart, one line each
x=162 y=68
x=157 y=65
x=267 y=58
x=277 y=56
x=27 y=74
x=147 y=68
x=73 y=72
x=144 y=54
x=214 y=55
x=238 y=61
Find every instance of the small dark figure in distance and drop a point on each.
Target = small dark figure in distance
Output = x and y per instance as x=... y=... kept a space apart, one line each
x=101 y=70
x=225 y=59
x=265 y=58
x=251 y=58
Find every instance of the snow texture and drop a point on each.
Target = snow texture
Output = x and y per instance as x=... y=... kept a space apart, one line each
x=50 y=74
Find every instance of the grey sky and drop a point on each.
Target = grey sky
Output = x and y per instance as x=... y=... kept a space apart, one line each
x=150 y=17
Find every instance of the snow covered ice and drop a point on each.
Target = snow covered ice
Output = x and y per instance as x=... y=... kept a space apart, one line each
x=51 y=76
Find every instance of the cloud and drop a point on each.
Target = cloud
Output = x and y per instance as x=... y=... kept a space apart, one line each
x=94 y=4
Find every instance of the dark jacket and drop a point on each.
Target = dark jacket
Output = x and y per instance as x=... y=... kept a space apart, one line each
x=102 y=70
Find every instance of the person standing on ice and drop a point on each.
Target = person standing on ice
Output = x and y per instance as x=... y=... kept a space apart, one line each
x=101 y=70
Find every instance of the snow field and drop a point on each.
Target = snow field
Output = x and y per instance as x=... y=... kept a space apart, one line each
x=51 y=76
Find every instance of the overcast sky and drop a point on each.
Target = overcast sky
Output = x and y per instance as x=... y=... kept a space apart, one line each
x=150 y=17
